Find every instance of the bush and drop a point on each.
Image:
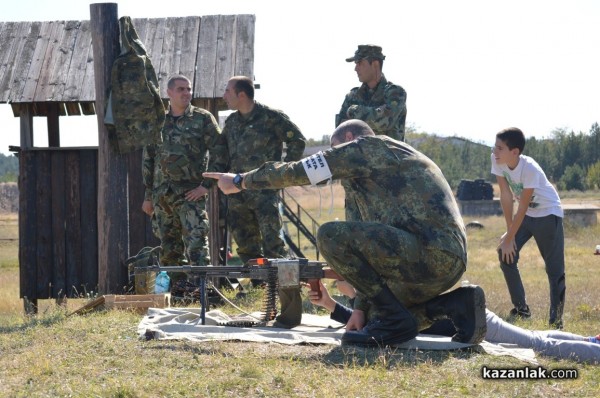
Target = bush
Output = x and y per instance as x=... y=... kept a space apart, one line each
x=593 y=175
x=573 y=178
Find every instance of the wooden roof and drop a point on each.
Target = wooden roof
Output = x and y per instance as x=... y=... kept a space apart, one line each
x=43 y=62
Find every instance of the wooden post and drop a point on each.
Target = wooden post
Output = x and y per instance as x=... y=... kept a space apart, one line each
x=53 y=124
x=112 y=167
x=26 y=120
x=218 y=229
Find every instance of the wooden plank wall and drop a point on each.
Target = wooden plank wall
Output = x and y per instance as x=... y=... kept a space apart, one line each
x=57 y=223
x=140 y=230
x=58 y=227
x=206 y=49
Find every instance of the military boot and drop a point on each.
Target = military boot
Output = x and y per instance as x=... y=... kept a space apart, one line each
x=465 y=306
x=394 y=324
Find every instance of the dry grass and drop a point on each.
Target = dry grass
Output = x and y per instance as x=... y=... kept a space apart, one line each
x=100 y=354
x=323 y=204
x=9 y=234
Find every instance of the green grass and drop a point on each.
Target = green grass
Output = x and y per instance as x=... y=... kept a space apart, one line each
x=100 y=355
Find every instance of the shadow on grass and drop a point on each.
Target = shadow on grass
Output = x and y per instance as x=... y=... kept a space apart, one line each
x=30 y=322
x=390 y=357
x=338 y=356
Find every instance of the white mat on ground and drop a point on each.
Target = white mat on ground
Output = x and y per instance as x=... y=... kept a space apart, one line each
x=186 y=324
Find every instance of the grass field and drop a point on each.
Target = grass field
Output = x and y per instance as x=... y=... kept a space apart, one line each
x=100 y=355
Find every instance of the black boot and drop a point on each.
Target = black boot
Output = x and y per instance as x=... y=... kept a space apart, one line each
x=465 y=306
x=394 y=324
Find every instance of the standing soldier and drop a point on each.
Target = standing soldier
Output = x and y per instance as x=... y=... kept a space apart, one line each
x=172 y=171
x=378 y=102
x=255 y=134
x=406 y=248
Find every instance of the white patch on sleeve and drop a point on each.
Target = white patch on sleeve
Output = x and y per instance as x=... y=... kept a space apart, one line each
x=316 y=168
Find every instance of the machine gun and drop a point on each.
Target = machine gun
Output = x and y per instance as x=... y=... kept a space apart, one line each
x=277 y=273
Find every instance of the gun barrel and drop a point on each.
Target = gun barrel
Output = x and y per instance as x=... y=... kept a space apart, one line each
x=289 y=271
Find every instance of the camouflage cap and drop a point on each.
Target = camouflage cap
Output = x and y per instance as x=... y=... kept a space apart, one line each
x=366 y=51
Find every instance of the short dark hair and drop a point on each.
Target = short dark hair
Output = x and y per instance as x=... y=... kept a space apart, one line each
x=243 y=84
x=357 y=127
x=513 y=138
x=371 y=59
x=172 y=79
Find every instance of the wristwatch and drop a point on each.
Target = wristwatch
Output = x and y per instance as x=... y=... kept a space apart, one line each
x=237 y=181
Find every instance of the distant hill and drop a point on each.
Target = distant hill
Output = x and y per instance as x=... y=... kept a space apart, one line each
x=416 y=139
x=458 y=158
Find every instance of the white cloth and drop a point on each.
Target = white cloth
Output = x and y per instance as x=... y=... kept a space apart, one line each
x=529 y=174
x=186 y=324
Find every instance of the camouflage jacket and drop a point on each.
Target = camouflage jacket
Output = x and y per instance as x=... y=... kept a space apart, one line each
x=135 y=112
x=179 y=161
x=390 y=182
x=259 y=137
x=382 y=108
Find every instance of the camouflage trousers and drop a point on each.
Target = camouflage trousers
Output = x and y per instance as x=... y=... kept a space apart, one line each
x=182 y=227
x=255 y=223
x=372 y=255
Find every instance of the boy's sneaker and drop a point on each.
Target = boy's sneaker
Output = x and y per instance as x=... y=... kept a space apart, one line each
x=522 y=312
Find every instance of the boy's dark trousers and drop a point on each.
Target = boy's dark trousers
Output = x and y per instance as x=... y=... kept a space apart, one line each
x=549 y=237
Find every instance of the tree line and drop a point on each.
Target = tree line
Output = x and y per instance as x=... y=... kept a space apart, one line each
x=570 y=160
x=9 y=168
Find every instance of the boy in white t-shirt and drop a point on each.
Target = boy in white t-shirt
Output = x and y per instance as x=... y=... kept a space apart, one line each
x=539 y=214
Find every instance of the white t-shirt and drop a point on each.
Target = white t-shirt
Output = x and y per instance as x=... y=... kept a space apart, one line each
x=529 y=174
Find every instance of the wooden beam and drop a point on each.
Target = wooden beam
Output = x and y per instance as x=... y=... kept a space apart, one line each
x=88 y=108
x=53 y=125
x=26 y=118
x=112 y=167
x=73 y=108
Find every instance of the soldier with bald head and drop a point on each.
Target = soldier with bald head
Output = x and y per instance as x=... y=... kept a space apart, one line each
x=403 y=247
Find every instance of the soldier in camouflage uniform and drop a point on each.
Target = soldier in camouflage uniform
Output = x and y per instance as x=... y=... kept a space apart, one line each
x=175 y=192
x=377 y=101
x=255 y=134
x=406 y=247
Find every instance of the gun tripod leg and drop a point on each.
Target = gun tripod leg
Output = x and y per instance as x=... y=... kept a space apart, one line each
x=203 y=299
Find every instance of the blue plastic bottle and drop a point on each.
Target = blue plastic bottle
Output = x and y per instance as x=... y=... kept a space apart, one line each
x=162 y=283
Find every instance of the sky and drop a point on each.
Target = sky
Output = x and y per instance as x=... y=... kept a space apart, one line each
x=470 y=67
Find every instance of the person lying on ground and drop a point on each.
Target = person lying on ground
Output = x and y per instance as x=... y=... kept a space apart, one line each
x=551 y=343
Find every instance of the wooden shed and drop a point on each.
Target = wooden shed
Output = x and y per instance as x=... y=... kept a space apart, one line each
x=80 y=208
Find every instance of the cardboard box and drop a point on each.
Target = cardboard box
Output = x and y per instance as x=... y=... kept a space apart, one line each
x=138 y=302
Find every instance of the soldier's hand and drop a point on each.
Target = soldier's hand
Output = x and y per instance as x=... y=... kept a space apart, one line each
x=324 y=300
x=357 y=320
x=225 y=183
x=196 y=193
x=147 y=207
